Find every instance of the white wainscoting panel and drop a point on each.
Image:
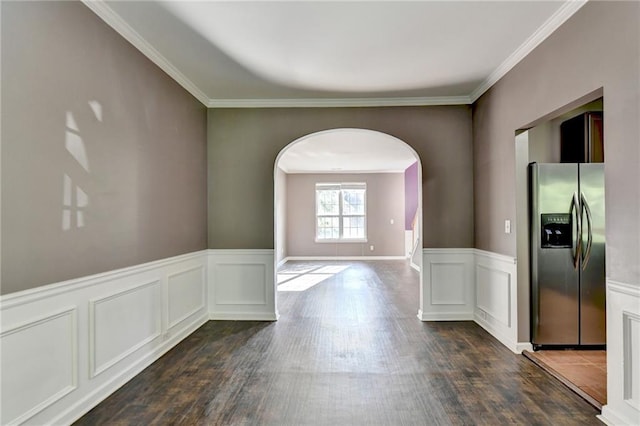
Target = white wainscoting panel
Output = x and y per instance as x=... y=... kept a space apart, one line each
x=496 y=297
x=67 y=346
x=122 y=323
x=187 y=291
x=452 y=273
x=447 y=292
x=493 y=293
x=39 y=364
x=241 y=285
x=623 y=354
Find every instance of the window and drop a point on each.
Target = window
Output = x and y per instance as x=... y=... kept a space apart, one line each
x=341 y=212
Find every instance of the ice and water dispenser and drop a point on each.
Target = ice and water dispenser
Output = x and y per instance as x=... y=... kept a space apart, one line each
x=556 y=230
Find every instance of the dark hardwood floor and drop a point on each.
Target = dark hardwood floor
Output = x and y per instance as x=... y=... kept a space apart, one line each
x=348 y=350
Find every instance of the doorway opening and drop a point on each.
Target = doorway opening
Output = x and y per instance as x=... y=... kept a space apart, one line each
x=567 y=148
x=344 y=198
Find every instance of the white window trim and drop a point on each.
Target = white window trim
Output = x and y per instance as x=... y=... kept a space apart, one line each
x=350 y=185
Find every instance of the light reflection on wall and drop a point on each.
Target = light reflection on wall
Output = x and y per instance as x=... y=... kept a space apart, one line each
x=75 y=200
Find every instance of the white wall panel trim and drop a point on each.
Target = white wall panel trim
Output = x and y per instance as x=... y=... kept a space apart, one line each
x=448 y=285
x=223 y=295
x=456 y=296
x=630 y=343
x=90 y=400
x=623 y=354
x=496 y=305
x=242 y=284
x=94 y=304
x=84 y=367
x=202 y=287
x=72 y=384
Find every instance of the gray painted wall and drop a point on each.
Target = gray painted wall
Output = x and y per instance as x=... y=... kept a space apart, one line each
x=385 y=201
x=599 y=47
x=84 y=112
x=281 y=214
x=244 y=143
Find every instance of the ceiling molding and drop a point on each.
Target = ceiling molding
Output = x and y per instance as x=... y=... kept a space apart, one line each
x=553 y=23
x=102 y=9
x=338 y=102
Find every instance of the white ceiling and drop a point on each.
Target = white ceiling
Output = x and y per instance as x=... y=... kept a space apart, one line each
x=347 y=151
x=335 y=53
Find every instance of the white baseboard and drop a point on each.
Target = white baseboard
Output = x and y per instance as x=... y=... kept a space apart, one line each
x=79 y=323
x=444 y=316
x=243 y=316
x=332 y=258
x=523 y=346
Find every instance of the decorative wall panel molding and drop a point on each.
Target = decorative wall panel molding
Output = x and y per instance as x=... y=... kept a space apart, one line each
x=496 y=304
x=453 y=273
x=97 y=333
x=186 y=294
x=45 y=347
x=448 y=290
x=623 y=354
x=121 y=323
x=472 y=284
x=241 y=285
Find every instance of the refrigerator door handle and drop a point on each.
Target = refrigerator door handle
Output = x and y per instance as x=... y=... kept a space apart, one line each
x=587 y=210
x=575 y=203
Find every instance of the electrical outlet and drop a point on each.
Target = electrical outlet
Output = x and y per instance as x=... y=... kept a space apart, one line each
x=507 y=226
x=392 y=221
x=371 y=248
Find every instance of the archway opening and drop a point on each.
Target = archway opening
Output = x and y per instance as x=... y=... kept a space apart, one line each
x=345 y=195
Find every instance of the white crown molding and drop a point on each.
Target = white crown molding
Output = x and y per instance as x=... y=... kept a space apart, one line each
x=553 y=23
x=102 y=9
x=337 y=102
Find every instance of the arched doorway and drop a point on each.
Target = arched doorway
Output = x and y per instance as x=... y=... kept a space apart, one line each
x=351 y=152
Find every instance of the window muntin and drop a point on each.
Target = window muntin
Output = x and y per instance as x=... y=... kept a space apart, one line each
x=341 y=212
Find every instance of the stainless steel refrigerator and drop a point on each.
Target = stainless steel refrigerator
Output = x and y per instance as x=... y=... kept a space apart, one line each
x=567 y=254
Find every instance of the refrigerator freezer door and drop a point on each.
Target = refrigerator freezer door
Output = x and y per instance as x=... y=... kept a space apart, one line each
x=554 y=277
x=592 y=285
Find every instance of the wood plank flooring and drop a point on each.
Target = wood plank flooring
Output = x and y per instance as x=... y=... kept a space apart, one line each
x=348 y=350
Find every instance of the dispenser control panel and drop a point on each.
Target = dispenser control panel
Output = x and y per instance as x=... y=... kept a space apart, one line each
x=556 y=230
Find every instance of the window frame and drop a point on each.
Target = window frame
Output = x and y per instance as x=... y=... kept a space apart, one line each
x=341 y=187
